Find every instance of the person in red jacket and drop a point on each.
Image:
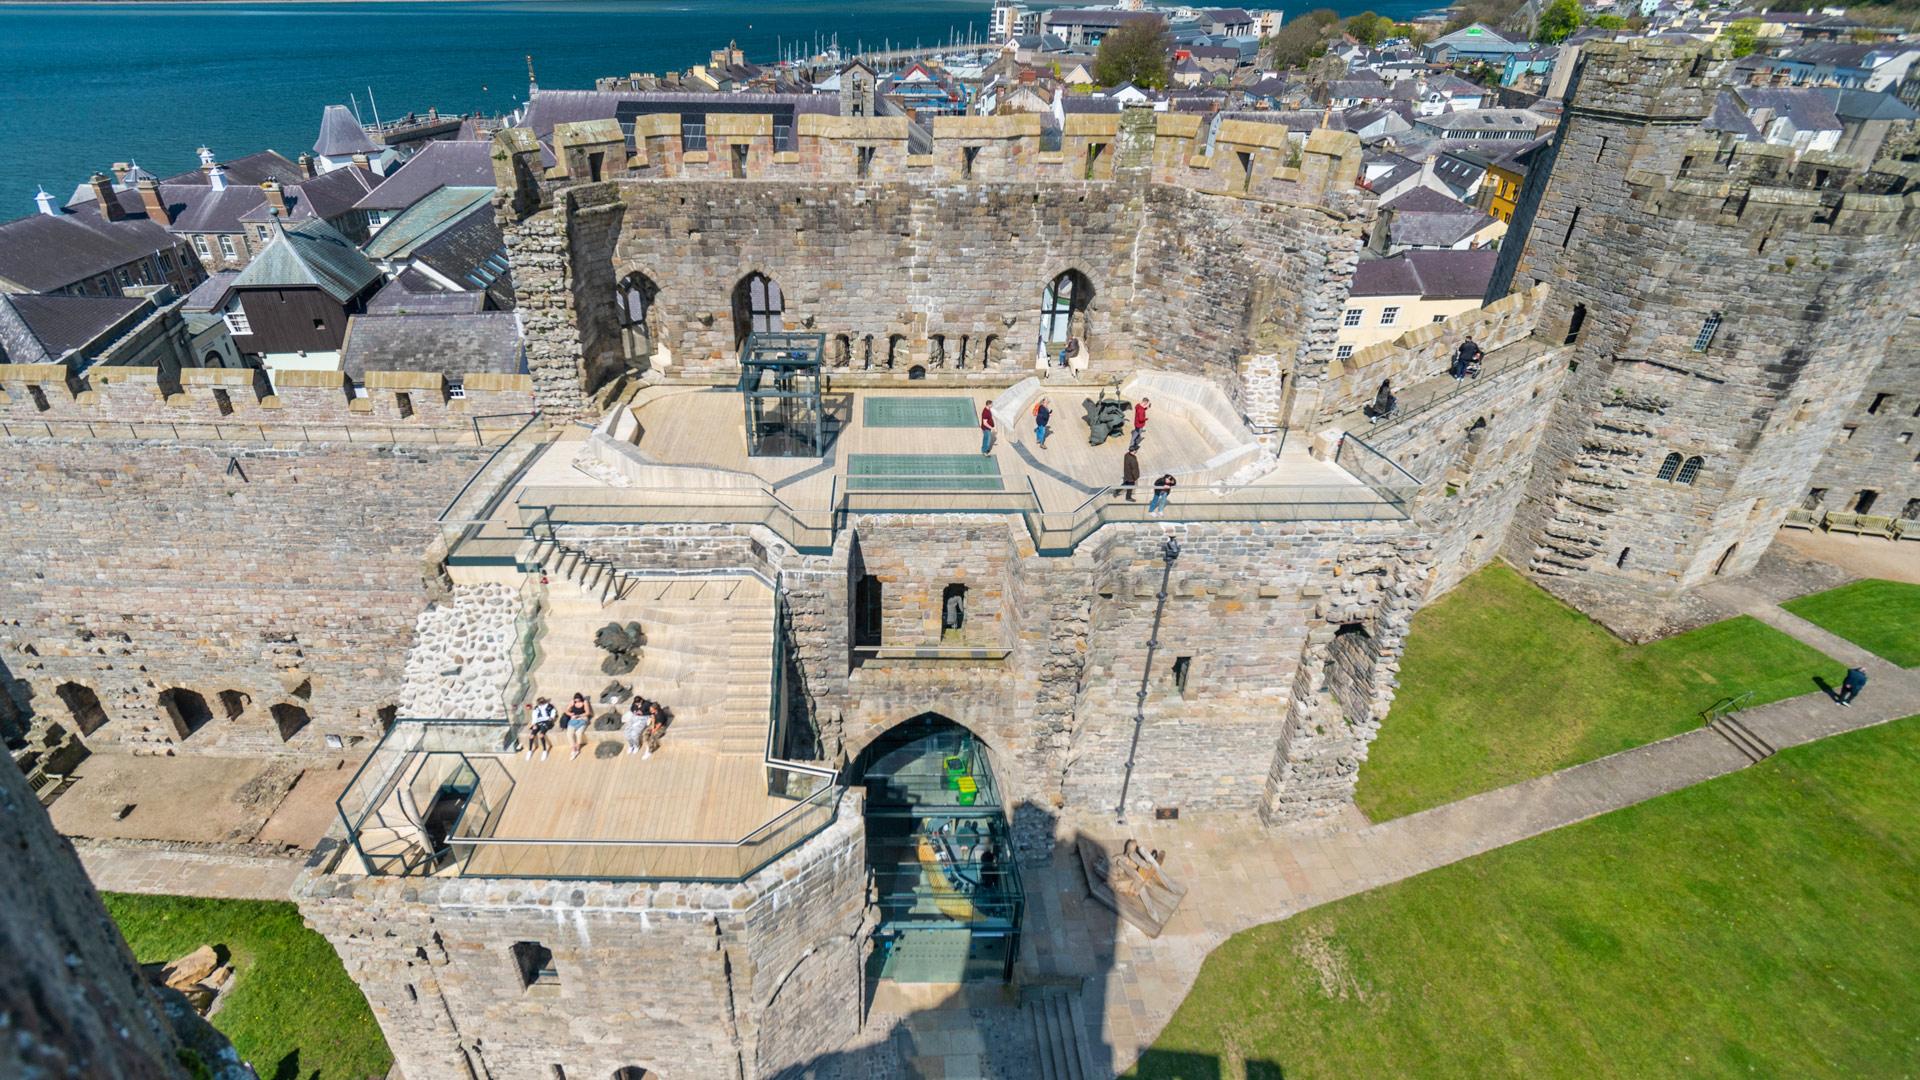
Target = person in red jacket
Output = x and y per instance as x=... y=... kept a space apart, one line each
x=1140 y=412
x=986 y=428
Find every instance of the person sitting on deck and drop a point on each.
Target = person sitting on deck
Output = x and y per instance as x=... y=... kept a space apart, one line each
x=656 y=727
x=544 y=718
x=578 y=714
x=634 y=725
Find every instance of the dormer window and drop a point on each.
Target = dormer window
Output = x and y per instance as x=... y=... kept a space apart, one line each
x=237 y=320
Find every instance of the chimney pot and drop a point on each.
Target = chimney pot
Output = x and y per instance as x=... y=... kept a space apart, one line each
x=217 y=178
x=206 y=159
x=276 y=198
x=108 y=199
x=156 y=206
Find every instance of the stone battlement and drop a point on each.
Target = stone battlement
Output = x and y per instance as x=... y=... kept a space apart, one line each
x=240 y=403
x=1243 y=158
x=1651 y=80
x=1780 y=189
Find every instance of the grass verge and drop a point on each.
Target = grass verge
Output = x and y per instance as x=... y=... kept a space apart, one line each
x=1882 y=617
x=1759 y=924
x=1501 y=683
x=294 y=1013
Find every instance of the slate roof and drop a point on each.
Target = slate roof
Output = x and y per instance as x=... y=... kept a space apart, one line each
x=1805 y=108
x=1425 y=200
x=457 y=345
x=414 y=293
x=425 y=220
x=310 y=253
x=472 y=252
x=252 y=170
x=329 y=195
x=1432 y=275
x=44 y=252
x=438 y=164
x=211 y=293
x=1425 y=218
x=341 y=135
x=65 y=323
x=1859 y=105
x=1401 y=168
x=550 y=107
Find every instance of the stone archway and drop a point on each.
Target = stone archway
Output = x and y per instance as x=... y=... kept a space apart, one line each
x=184 y=710
x=81 y=701
x=940 y=849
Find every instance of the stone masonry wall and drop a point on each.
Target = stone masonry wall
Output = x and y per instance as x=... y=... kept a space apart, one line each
x=682 y=980
x=74 y=1004
x=288 y=576
x=1876 y=448
x=1651 y=230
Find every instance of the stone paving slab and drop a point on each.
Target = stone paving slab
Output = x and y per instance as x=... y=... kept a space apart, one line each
x=115 y=868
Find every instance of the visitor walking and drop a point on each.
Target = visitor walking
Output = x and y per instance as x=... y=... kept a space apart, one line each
x=1140 y=415
x=1129 y=473
x=1851 y=686
x=544 y=717
x=1162 y=489
x=986 y=428
x=635 y=724
x=1042 y=418
x=1466 y=359
x=578 y=714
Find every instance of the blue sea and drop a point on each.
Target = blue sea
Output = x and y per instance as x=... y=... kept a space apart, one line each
x=86 y=85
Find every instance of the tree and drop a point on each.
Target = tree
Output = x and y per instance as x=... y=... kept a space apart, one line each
x=1368 y=29
x=1744 y=36
x=1558 y=22
x=1608 y=22
x=1301 y=38
x=1136 y=53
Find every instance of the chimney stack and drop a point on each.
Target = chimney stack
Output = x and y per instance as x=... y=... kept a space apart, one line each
x=108 y=199
x=120 y=169
x=276 y=198
x=216 y=177
x=206 y=159
x=156 y=206
x=45 y=202
x=306 y=166
x=360 y=161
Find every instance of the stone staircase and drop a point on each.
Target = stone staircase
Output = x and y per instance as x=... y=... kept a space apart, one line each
x=708 y=654
x=1059 y=1031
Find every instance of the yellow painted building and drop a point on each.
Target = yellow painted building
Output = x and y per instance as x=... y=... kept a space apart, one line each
x=1396 y=294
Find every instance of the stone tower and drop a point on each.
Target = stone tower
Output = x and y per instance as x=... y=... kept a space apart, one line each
x=857 y=82
x=1727 y=301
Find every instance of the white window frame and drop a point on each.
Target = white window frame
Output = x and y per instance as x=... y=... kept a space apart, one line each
x=456 y=389
x=200 y=245
x=1389 y=316
x=226 y=246
x=1342 y=352
x=1352 y=317
x=1704 y=339
x=237 y=320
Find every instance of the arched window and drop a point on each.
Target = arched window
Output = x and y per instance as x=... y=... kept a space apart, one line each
x=1668 y=467
x=213 y=359
x=1691 y=469
x=758 y=307
x=1063 y=308
x=953 y=609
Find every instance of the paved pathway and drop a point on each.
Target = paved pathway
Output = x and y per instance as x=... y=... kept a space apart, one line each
x=116 y=868
x=1241 y=876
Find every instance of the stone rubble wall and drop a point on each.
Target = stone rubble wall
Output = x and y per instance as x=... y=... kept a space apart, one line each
x=463 y=655
x=680 y=979
x=291 y=576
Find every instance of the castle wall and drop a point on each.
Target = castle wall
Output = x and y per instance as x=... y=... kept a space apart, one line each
x=938 y=261
x=1652 y=231
x=1876 y=448
x=685 y=980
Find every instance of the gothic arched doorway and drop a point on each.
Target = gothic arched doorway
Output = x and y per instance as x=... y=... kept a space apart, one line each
x=946 y=880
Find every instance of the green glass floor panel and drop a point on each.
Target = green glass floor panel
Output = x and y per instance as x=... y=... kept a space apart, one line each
x=922 y=472
x=928 y=412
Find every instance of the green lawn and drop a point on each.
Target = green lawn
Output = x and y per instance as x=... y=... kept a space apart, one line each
x=1760 y=924
x=294 y=1013
x=1501 y=683
x=1882 y=617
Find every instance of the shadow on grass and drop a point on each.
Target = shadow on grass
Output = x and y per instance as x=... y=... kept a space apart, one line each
x=1827 y=688
x=1185 y=1065
x=289 y=1067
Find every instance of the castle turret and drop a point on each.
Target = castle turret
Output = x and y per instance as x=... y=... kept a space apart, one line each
x=1727 y=300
